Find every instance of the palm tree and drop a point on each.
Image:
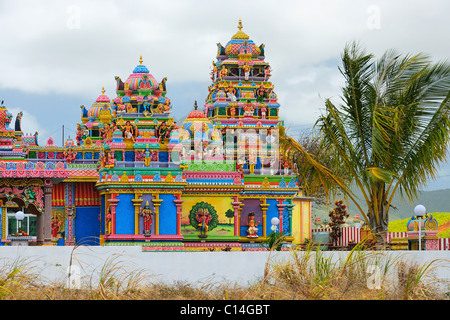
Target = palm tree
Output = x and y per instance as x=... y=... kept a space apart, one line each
x=389 y=135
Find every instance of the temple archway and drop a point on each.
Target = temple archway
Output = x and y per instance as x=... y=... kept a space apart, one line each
x=31 y=206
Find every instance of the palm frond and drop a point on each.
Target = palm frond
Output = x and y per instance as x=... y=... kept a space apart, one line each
x=390 y=134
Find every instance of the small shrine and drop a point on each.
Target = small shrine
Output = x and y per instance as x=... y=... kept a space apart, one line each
x=428 y=233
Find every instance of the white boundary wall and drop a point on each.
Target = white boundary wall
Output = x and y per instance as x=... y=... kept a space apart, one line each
x=196 y=268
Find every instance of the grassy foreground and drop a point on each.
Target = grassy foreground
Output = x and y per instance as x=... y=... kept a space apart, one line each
x=309 y=274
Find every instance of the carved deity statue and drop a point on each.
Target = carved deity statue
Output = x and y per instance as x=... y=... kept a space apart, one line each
x=69 y=155
x=214 y=72
x=147 y=105
x=144 y=82
x=248 y=108
x=246 y=69
x=203 y=217
x=267 y=73
x=129 y=131
x=55 y=226
x=108 y=219
x=252 y=229
x=147 y=157
x=163 y=131
x=147 y=214
x=223 y=72
x=263 y=111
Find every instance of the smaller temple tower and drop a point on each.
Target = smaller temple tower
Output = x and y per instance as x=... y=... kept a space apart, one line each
x=139 y=171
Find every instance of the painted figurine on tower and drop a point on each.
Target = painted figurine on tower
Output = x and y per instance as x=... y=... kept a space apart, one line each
x=147 y=214
x=252 y=226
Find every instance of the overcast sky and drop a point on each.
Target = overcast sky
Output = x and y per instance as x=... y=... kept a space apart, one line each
x=57 y=55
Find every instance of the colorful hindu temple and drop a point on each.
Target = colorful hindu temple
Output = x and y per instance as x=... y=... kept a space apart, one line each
x=133 y=176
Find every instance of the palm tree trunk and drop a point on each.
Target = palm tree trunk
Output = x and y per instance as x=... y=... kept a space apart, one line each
x=379 y=226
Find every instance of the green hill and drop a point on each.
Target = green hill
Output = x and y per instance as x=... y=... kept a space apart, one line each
x=443 y=219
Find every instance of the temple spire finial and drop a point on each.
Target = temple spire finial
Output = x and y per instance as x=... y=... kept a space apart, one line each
x=103 y=90
x=240 y=34
x=140 y=59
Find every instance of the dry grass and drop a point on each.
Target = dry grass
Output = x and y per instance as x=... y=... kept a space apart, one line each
x=308 y=275
x=362 y=275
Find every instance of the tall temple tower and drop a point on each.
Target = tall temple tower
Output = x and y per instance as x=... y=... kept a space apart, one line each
x=241 y=104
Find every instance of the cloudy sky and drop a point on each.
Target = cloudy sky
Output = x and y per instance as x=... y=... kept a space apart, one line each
x=57 y=55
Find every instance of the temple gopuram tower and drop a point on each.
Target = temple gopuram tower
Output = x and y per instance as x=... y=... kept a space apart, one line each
x=245 y=171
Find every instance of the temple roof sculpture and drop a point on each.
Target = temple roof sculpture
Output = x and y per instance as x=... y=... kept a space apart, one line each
x=141 y=87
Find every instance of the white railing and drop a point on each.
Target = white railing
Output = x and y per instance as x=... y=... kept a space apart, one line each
x=352 y=234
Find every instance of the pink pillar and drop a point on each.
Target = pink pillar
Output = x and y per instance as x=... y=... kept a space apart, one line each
x=280 y=207
x=113 y=204
x=70 y=215
x=236 y=204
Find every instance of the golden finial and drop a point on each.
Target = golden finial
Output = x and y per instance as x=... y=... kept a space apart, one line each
x=240 y=34
x=103 y=90
x=140 y=59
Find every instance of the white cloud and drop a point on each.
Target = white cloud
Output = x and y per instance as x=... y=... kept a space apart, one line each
x=73 y=48
x=46 y=49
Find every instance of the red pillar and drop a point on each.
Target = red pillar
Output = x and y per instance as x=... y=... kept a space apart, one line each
x=280 y=207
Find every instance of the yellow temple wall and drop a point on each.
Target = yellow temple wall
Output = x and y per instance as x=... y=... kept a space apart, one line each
x=301 y=219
